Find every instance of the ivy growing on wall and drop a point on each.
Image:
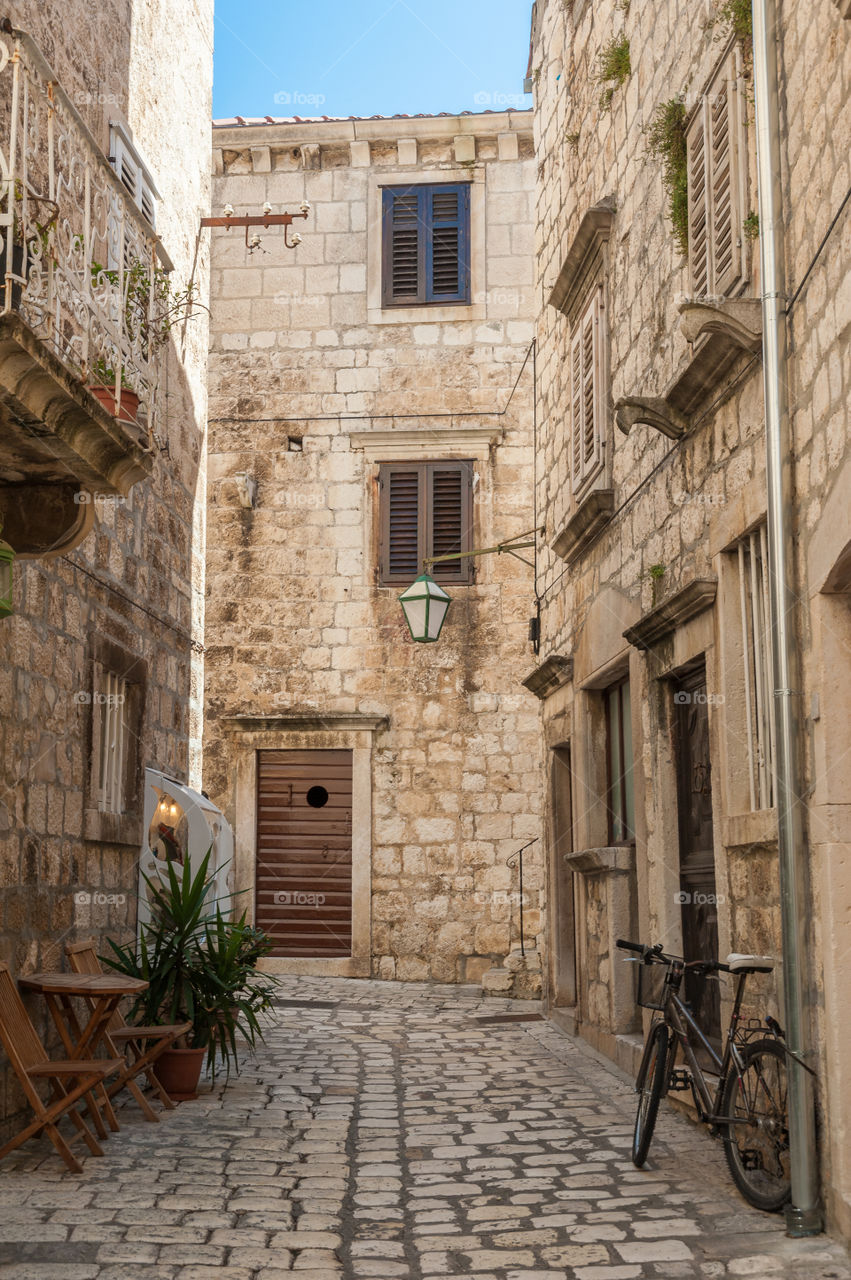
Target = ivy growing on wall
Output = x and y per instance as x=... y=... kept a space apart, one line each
x=666 y=138
x=613 y=68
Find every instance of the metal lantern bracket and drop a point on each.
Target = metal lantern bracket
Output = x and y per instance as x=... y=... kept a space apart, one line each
x=265 y=220
x=510 y=547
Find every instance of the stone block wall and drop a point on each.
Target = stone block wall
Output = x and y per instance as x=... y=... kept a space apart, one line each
x=136 y=580
x=679 y=506
x=312 y=386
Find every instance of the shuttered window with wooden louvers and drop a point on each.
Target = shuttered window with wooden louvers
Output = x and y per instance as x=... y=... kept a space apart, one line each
x=717 y=179
x=426 y=245
x=134 y=177
x=425 y=510
x=586 y=390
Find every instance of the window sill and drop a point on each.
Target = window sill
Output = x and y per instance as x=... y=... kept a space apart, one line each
x=684 y=604
x=587 y=522
x=755 y=828
x=112 y=828
x=614 y=858
x=428 y=313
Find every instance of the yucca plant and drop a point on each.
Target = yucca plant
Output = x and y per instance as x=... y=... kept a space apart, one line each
x=199 y=966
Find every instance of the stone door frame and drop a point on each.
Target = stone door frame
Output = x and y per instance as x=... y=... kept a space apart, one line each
x=334 y=731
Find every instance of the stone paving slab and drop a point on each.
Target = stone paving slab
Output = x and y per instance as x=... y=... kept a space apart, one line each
x=384 y=1132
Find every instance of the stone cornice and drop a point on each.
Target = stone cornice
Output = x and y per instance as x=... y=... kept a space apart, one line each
x=551 y=674
x=590 y=517
x=285 y=133
x=594 y=230
x=686 y=603
x=423 y=442
x=306 y=722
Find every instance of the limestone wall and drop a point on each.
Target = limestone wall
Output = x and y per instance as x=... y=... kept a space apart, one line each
x=136 y=580
x=306 y=373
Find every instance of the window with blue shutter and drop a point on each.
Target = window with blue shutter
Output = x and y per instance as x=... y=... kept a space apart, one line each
x=425 y=245
x=426 y=509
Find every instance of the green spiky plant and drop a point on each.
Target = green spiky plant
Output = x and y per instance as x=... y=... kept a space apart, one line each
x=666 y=139
x=200 y=967
x=613 y=68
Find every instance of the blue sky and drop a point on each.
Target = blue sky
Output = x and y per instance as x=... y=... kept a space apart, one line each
x=369 y=57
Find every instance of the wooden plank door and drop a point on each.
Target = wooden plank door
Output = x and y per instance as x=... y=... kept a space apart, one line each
x=698 y=896
x=304 y=851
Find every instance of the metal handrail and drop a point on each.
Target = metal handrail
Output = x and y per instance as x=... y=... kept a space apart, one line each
x=516 y=860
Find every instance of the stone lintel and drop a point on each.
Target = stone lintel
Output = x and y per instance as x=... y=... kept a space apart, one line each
x=307 y=722
x=421 y=443
x=551 y=674
x=594 y=230
x=652 y=411
x=617 y=859
x=590 y=517
x=686 y=603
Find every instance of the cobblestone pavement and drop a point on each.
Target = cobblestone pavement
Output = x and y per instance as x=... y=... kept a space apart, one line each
x=386 y=1131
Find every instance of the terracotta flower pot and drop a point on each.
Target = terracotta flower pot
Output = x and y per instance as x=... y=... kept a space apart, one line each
x=178 y=1071
x=129 y=402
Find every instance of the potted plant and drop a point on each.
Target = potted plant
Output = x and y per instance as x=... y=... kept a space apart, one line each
x=200 y=967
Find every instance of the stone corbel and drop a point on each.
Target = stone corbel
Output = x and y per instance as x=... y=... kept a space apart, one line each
x=651 y=411
x=739 y=319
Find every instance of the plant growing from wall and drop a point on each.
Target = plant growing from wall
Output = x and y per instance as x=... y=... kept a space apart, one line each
x=666 y=137
x=655 y=573
x=751 y=226
x=613 y=69
x=736 y=16
x=572 y=140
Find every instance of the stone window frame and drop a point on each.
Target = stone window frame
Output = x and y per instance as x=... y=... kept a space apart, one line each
x=107 y=659
x=428 y=313
x=427 y=222
x=721 y=108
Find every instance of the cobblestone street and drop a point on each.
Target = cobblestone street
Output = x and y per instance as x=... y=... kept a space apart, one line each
x=388 y=1130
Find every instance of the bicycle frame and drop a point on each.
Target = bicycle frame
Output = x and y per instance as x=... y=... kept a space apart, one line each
x=679 y=1019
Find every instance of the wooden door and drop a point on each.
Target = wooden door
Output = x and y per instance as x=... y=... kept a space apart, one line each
x=304 y=851
x=698 y=896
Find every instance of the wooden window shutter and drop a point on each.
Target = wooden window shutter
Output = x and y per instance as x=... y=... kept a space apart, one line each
x=698 y=203
x=447 y=250
x=133 y=177
x=425 y=510
x=450 y=486
x=402 y=510
x=586 y=361
x=725 y=146
x=403 y=247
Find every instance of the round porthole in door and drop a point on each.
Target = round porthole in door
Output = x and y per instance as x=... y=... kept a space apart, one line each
x=317 y=797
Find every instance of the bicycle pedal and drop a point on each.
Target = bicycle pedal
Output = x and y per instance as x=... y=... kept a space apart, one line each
x=679 y=1079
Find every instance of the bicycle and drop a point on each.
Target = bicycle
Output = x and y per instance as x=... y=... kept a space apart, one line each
x=749 y=1106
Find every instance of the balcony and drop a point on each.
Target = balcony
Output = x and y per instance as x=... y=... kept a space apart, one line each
x=81 y=276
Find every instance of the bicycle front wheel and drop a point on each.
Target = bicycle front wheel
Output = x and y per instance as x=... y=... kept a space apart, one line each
x=652 y=1086
x=756 y=1142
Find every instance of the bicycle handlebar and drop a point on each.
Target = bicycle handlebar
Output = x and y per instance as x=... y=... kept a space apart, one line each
x=656 y=954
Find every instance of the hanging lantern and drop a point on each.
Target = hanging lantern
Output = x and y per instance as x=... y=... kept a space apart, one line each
x=7 y=557
x=425 y=605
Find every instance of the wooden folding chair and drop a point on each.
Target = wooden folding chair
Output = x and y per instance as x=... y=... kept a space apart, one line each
x=30 y=1063
x=143 y=1044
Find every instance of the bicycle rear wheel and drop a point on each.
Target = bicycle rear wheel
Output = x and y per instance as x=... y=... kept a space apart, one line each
x=652 y=1086
x=756 y=1142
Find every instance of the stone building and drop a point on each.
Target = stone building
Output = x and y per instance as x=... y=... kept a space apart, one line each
x=655 y=669
x=371 y=405
x=105 y=154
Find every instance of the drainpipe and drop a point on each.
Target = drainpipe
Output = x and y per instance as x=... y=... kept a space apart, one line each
x=803 y=1215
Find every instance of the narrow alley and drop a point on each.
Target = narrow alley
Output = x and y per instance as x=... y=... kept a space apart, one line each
x=388 y=1130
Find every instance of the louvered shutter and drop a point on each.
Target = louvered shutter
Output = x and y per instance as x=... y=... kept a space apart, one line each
x=403 y=242
x=448 y=486
x=402 y=521
x=698 y=204
x=586 y=358
x=725 y=149
x=447 y=251
x=133 y=178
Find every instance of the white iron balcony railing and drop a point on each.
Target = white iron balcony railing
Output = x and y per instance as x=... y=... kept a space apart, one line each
x=79 y=263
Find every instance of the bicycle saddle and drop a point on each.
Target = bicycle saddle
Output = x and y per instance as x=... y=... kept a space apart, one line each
x=738 y=963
